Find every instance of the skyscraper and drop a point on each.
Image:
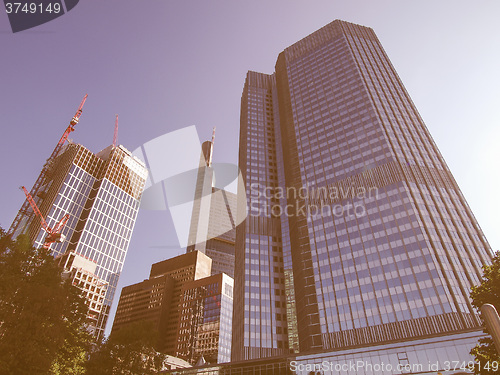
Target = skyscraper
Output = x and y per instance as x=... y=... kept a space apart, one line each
x=260 y=325
x=357 y=233
x=198 y=231
x=213 y=220
x=100 y=193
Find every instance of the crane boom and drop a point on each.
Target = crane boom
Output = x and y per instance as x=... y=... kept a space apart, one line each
x=115 y=135
x=60 y=225
x=41 y=178
x=33 y=205
x=53 y=234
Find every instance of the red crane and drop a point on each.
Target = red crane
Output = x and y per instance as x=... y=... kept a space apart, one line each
x=36 y=189
x=115 y=135
x=53 y=234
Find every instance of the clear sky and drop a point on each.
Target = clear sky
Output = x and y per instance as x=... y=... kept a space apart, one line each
x=166 y=64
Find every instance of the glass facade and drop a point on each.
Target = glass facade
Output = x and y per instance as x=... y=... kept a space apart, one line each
x=260 y=296
x=447 y=355
x=101 y=194
x=206 y=313
x=376 y=242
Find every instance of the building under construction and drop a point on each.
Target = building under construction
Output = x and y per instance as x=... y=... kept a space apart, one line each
x=86 y=204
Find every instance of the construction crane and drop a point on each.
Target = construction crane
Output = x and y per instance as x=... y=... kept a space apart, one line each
x=36 y=189
x=53 y=234
x=115 y=135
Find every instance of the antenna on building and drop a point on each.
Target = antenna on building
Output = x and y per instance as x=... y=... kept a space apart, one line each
x=115 y=135
x=209 y=161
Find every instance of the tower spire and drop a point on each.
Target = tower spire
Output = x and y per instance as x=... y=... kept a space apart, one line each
x=211 y=147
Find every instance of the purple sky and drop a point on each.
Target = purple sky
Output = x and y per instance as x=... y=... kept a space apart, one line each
x=166 y=64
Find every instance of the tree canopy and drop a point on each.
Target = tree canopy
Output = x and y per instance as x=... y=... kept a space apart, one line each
x=129 y=351
x=488 y=291
x=42 y=317
x=42 y=323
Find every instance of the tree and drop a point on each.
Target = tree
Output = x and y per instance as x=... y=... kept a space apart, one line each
x=488 y=291
x=42 y=318
x=129 y=351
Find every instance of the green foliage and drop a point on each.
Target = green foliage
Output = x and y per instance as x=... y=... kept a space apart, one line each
x=42 y=323
x=487 y=292
x=129 y=351
x=71 y=357
x=42 y=318
x=489 y=289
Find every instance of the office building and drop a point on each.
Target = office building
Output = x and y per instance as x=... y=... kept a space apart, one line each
x=213 y=220
x=145 y=301
x=357 y=234
x=205 y=324
x=100 y=193
x=158 y=299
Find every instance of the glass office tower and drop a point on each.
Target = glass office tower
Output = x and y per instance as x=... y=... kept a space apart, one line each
x=260 y=316
x=213 y=219
x=101 y=194
x=357 y=233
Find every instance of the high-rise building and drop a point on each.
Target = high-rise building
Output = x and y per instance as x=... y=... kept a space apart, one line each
x=100 y=193
x=205 y=323
x=357 y=234
x=213 y=220
x=260 y=325
x=158 y=299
